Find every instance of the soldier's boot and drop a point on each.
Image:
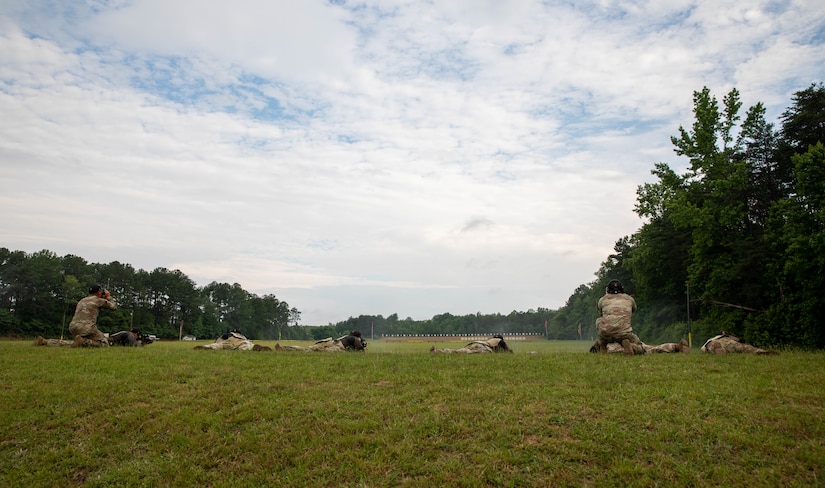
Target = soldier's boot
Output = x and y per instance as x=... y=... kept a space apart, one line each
x=278 y=346
x=602 y=349
x=628 y=347
x=683 y=347
x=79 y=341
x=40 y=341
x=257 y=347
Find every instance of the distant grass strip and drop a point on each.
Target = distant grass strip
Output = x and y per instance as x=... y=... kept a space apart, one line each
x=167 y=415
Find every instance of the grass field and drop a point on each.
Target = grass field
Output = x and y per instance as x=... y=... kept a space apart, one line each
x=168 y=415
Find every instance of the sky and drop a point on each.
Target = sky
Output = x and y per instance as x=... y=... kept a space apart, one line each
x=367 y=157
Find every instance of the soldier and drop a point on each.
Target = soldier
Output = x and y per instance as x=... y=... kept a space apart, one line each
x=668 y=347
x=351 y=342
x=354 y=342
x=496 y=344
x=84 y=323
x=132 y=337
x=725 y=343
x=234 y=340
x=613 y=324
x=324 y=345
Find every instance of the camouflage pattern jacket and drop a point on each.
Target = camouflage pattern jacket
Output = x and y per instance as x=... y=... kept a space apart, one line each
x=615 y=310
x=87 y=310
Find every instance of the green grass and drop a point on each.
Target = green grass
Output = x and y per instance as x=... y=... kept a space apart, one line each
x=168 y=415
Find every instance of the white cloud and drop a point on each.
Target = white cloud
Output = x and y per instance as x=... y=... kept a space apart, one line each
x=298 y=41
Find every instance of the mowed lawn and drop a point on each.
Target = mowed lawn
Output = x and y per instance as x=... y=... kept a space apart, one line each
x=551 y=414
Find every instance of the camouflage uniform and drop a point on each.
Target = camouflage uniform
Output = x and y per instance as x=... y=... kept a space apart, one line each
x=40 y=341
x=725 y=343
x=84 y=323
x=325 y=345
x=613 y=324
x=668 y=347
x=496 y=344
x=234 y=341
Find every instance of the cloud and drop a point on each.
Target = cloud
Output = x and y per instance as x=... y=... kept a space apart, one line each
x=299 y=41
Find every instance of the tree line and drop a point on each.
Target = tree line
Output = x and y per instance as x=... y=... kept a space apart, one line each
x=531 y=321
x=735 y=242
x=39 y=292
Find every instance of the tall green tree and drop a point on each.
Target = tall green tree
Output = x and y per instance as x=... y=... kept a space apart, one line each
x=39 y=293
x=712 y=212
x=799 y=244
x=803 y=123
x=272 y=315
x=232 y=307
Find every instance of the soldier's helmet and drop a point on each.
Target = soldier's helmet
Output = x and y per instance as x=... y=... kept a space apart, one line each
x=614 y=287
